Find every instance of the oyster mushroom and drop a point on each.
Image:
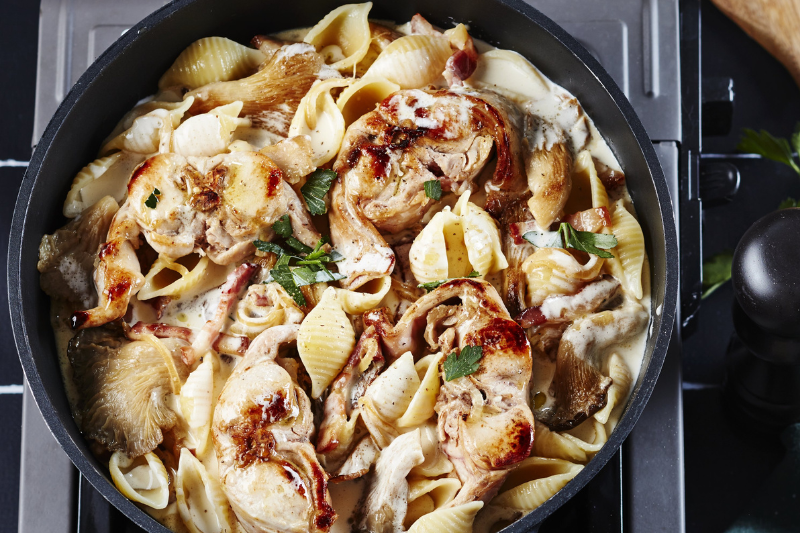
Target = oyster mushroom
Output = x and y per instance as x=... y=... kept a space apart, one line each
x=123 y=389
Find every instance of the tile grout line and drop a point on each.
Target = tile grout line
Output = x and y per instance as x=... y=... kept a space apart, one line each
x=11 y=389
x=12 y=163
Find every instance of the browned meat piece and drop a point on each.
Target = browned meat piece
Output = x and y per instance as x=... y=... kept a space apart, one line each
x=262 y=426
x=417 y=136
x=224 y=343
x=485 y=425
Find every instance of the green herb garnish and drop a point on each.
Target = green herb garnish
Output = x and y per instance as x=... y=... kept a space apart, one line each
x=433 y=189
x=775 y=148
x=315 y=189
x=152 y=200
x=297 y=245
x=433 y=284
x=716 y=271
x=283 y=227
x=789 y=202
x=568 y=237
x=264 y=246
x=464 y=364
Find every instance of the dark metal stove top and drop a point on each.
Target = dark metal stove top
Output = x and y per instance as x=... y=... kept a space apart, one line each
x=636 y=41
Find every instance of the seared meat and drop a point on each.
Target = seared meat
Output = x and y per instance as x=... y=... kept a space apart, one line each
x=578 y=385
x=262 y=426
x=227 y=344
x=485 y=425
x=566 y=308
x=216 y=206
x=417 y=136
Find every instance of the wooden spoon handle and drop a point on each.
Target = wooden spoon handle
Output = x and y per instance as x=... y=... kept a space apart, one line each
x=775 y=24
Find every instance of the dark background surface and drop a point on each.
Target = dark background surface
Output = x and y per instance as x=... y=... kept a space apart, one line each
x=726 y=460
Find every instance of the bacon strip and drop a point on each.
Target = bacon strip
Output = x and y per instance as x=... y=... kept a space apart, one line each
x=227 y=344
x=230 y=294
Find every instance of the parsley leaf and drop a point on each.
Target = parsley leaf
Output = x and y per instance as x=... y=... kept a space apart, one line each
x=789 y=202
x=297 y=245
x=152 y=200
x=284 y=277
x=264 y=246
x=433 y=284
x=283 y=227
x=464 y=364
x=716 y=271
x=433 y=189
x=568 y=237
x=775 y=148
x=315 y=189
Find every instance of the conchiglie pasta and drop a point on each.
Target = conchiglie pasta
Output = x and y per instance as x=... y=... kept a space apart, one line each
x=554 y=445
x=143 y=480
x=107 y=176
x=211 y=59
x=421 y=406
x=620 y=386
x=197 y=402
x=201 y=502
x=167 y=277
x=457 y=519
x=426 y=495
x=362 y=97
x=252 y=316
x=629 y=252
x=456 y=242
x=392 y=392
x=147 y=107
x=208 y=134
x=343 y=36
x=150 y=133
x=325 y=341
x=356 y=302
x=509 y=72
x=413 y=61
x=585 y=171
x=318 y=117
x=551 y=271
x=534 y=482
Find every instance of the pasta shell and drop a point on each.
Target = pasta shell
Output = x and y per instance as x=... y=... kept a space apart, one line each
x=421 y=407
x=208 y=134
x=551 y=271
x=146 y=107
x=535 y=481
x=343 y=36
x=197 y=402
x=436 y=462
x=439 y=252
x=74 y=205
x=620 y=387
x=362 y=97
x=356 y=302
x=325 y=341
x=318 y=117
x=252 y=319
x=201 y=502
x=150 y=133
x=481 y=238
x=508 y=72
x=391 y=392
x=442 y=491
x=586 y=172
x=143 y=480
x=457 y=519
x=629 y=252
x=180 y=277
x=554 y=445
x=413 y=61
x=211 y=59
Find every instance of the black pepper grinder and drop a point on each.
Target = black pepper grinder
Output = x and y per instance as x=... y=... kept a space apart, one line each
x=763 y=374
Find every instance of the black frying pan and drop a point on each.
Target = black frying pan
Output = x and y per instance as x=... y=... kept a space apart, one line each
x=130 y=69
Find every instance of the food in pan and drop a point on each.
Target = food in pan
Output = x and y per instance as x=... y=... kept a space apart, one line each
x=357 y=277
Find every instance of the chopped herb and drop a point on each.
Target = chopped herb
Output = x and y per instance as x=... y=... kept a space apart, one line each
x=789 y=202
x=152 y=200
x=264 y=246
x=284 y=277
x=315 y=189
x=433 y=284
x=297 y=245
x=716 y=271
x=775 y=148
x=433 y=189
x=283 y=227
x=568 y=237
x=464 y=364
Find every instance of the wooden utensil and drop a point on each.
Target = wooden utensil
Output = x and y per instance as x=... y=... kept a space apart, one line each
x=775 y=24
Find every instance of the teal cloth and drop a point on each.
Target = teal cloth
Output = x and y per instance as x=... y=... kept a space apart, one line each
x=776 y=508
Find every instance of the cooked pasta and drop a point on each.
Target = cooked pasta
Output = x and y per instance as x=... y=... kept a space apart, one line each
x=445 y=357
